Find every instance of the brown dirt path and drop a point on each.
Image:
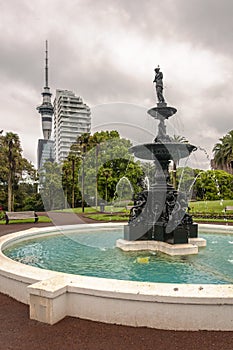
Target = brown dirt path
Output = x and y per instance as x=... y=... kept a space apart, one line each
x=18 y=332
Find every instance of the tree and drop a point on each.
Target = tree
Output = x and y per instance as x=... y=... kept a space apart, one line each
x=186 y=180
x=101 y=160
x=177 y=139
x=51 y=189
x=13 y=167
x=70 y=170
x=223 y=152
x=214 y=185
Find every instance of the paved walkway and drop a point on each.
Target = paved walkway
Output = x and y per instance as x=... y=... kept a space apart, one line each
x=18 y=332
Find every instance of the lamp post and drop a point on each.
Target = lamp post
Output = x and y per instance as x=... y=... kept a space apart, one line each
x=83 y=158
x=96 y=174
x=82 y=154
x=73 y=168
x=10 y=175
x=72 y=159
x=107 y=173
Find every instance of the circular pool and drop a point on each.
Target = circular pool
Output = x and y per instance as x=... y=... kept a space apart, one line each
x=92 y=252
x=112 y=286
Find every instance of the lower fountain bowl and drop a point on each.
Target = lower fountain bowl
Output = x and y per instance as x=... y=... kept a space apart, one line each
x=53 y=295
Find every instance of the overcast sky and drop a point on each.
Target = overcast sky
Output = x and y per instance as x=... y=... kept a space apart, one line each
x=106 y=52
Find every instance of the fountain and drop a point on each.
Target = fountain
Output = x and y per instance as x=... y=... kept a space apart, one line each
x=158 y=216
x=159 y=213
x=123 y=193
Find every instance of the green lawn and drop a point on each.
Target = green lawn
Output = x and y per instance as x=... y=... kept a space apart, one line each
x=211 y=220
x=216 y=207
x=77 y=210
x=201 y=211
x=108 y=217
x=41 y=219
x=108 y=209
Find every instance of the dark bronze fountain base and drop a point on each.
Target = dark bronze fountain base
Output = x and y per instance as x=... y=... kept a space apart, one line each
x=160 y=213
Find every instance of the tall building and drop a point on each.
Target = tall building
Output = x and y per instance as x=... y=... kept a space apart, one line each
x=45 y=150
x=72 y=118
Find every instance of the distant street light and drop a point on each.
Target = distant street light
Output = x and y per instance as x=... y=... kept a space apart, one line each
x=96 y=174
x=82 y=153
x=73 y=159
x=107 y=174
x=83 y=158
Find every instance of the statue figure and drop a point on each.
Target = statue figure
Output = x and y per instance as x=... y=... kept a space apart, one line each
x=139 y=203
x=158 y=80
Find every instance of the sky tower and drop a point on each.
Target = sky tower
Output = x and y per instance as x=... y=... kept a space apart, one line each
x=46 y=108
x=45 y=149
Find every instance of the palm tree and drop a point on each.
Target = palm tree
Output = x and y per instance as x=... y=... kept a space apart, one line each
x=223 y=152
x=11 y=156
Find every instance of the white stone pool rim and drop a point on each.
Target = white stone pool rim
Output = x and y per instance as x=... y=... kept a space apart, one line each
x=53 y=295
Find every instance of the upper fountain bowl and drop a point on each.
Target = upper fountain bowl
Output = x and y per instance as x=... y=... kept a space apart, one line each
x=162 y=111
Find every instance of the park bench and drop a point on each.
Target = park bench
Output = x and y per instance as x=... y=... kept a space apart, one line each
x=228 y=208
x=20 y=215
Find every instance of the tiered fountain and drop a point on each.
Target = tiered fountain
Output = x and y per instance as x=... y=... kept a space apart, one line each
x=159 y=213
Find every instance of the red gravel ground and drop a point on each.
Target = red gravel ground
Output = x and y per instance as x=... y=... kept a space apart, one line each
x=18 y=332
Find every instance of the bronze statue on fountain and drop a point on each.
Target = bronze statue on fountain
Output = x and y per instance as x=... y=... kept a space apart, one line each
x=159 y=213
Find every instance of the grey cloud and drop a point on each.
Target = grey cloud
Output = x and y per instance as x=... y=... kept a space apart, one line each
x=81 y=56
x=204 y=23
x=207 y=22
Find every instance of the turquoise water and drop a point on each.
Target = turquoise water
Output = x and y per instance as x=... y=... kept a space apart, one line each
x=95 y=254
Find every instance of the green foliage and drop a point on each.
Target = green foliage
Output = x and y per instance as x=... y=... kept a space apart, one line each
x=98 y=162
x=33 y=202
x=14 y=169
x=205 y=185
x=215 y=207
x=70 y=173
x=223 y=151
x=213 y=185
x=51 y=186
x=186 y=179
x=2 y=215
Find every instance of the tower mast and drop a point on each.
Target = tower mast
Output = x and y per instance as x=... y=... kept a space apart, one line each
x=46 y=108
x=46 y=63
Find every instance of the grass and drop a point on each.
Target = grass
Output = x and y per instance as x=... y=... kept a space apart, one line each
x=202 y=209
x=77 y=210
x=107 y=217
x=225 y=221
x=211 y=207
x=41 y=219
x=108 y=208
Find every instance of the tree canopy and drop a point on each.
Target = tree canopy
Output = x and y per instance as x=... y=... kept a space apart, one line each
x=96 y=163
x=223 y=152
x=205 y=185
x=14 y=168
x=51 y=188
